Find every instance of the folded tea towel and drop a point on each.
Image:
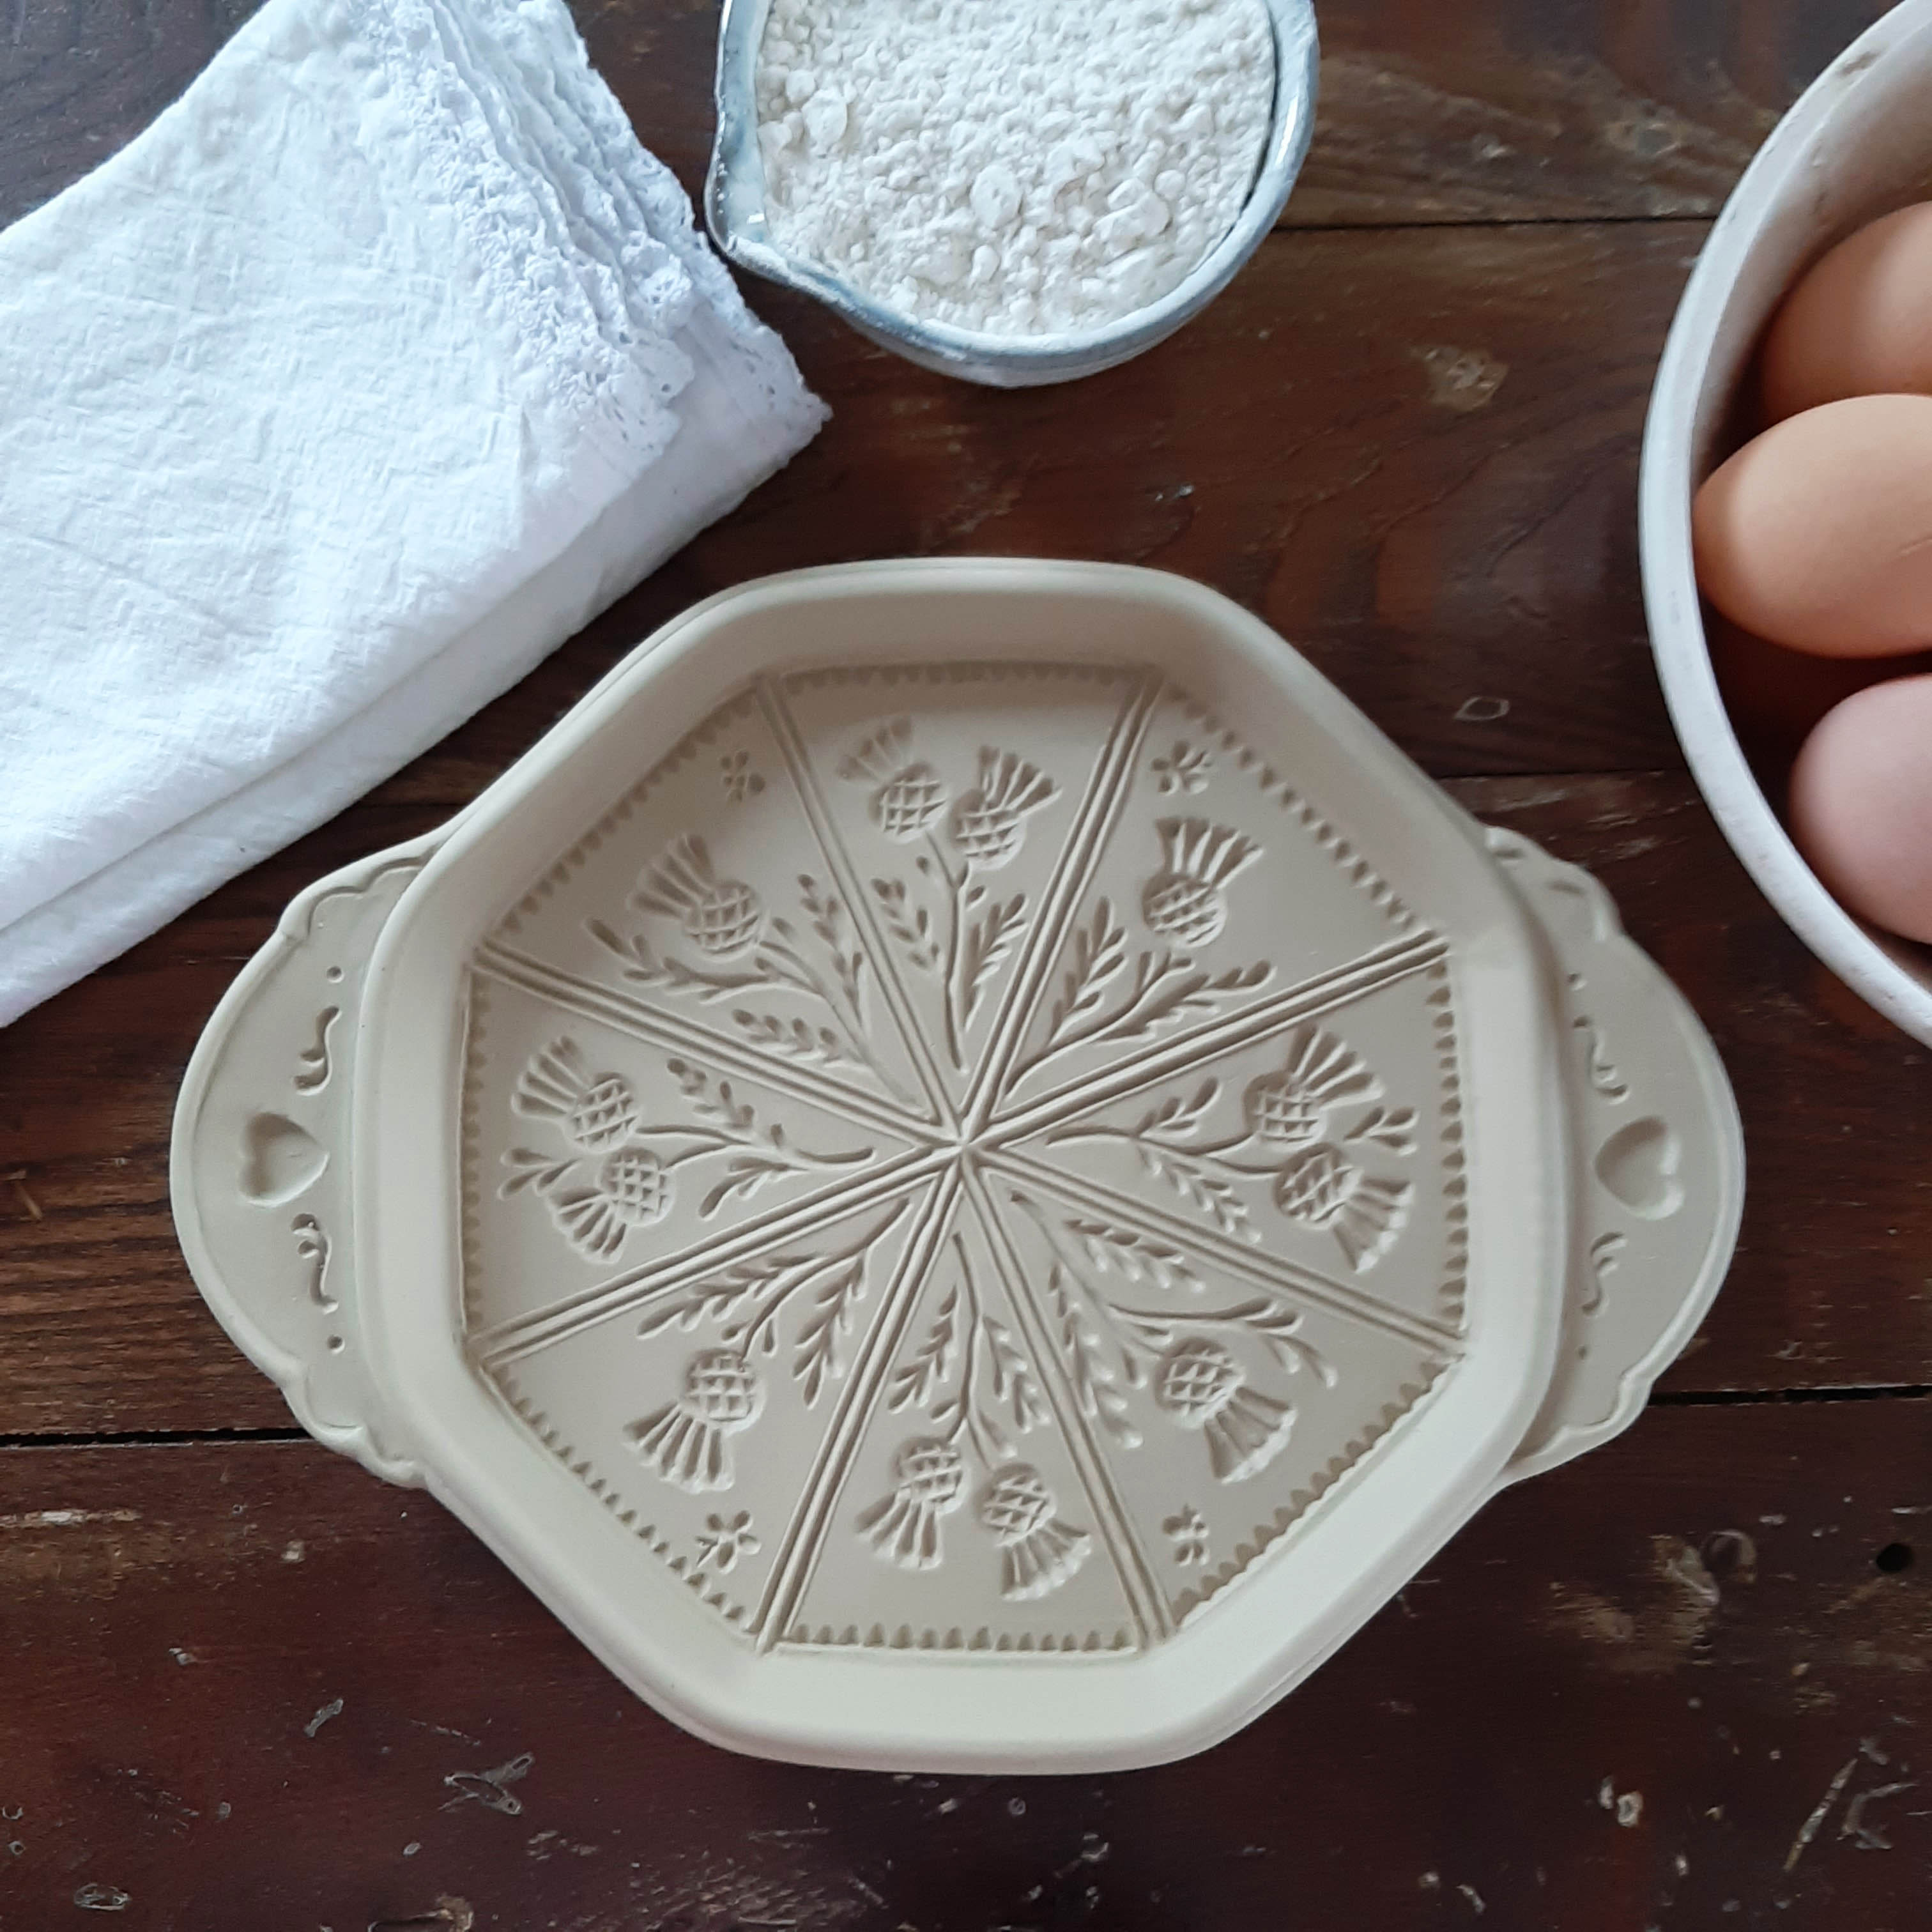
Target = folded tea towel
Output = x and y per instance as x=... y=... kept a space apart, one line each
x=377 y=365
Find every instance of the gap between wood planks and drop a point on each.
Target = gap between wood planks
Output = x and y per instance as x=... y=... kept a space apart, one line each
x=167 y=1438
x=1688 y=221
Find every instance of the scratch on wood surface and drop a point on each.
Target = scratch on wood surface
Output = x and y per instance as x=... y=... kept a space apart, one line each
x=490 y=1789
x=1820 y=1812
x=19 y=1177
x=333 y=1708
x=1869 y=1837
x=66 y=1519
x=444 y=1730
x=1860 y=1594
x=448 y=1914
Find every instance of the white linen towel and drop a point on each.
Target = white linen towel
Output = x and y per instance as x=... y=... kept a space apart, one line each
x=379 y=364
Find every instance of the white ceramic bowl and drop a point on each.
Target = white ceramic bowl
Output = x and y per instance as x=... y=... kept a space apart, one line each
x=734 y=205
x=1858 y=144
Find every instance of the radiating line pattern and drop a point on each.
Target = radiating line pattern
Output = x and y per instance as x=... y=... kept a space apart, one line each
x=1018 y=1123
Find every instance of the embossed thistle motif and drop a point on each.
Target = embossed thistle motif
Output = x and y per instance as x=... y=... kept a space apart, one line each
x=1102 y=1001
x=988 y=824
x=829 y=971
x=1293 y=1119
x=1323 y=1188
x=613 y=1179
x=720 y=917
x=1202 y=1387
x=1320 y=1075
x=746 y=1302
x=629 y=1189
x=1040 y=1552
x=929 y=1482
x=945 y=1346
x=907 y=794
x=686 y=1442
x=950 y=929
x=594 y=1110
x=977 y=1388
x=1197 y=1380
x=1186 y=900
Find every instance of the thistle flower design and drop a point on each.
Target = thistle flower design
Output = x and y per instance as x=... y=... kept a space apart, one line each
x=720 y=917
x=593 y=1111
x=1039 y=1552
x=928 y=1477
x=989 y=822
x=1186 y=901
x=686 y=1442
x=1202 y=1387
x=908 y=794
x=629 y=1189
x=1291 y=1108
x=1323 y=1188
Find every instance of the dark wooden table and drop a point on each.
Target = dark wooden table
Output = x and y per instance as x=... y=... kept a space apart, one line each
x=1686 y=1682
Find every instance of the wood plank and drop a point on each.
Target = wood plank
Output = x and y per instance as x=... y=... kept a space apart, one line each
x=81 y=80
x=1523 y=110
x=1517 y=111
x=1415 y=453
x=106 y=1333
x=250 y=1686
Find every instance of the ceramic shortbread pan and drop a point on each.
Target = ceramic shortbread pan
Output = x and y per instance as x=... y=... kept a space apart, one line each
x=964 y=1168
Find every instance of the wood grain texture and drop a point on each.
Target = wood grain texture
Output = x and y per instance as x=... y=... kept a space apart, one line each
x=250 y=1688
x=1518 y=110
x=1529 y=110
x=1415 y=453
x=79 y=79
x=1682 y=1683
x=106 y=1335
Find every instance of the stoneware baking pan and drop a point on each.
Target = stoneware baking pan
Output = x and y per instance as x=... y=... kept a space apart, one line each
x=964 y=1169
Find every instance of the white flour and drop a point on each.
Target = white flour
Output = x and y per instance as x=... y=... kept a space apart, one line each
x=1018 y=166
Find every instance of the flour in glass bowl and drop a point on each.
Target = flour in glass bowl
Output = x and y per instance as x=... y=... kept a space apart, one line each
x=1017 y=167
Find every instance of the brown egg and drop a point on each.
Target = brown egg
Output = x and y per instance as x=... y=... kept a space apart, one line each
x=1818 y=534
x=1862 y=805
x=1775 y=696
x=1859 y=322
